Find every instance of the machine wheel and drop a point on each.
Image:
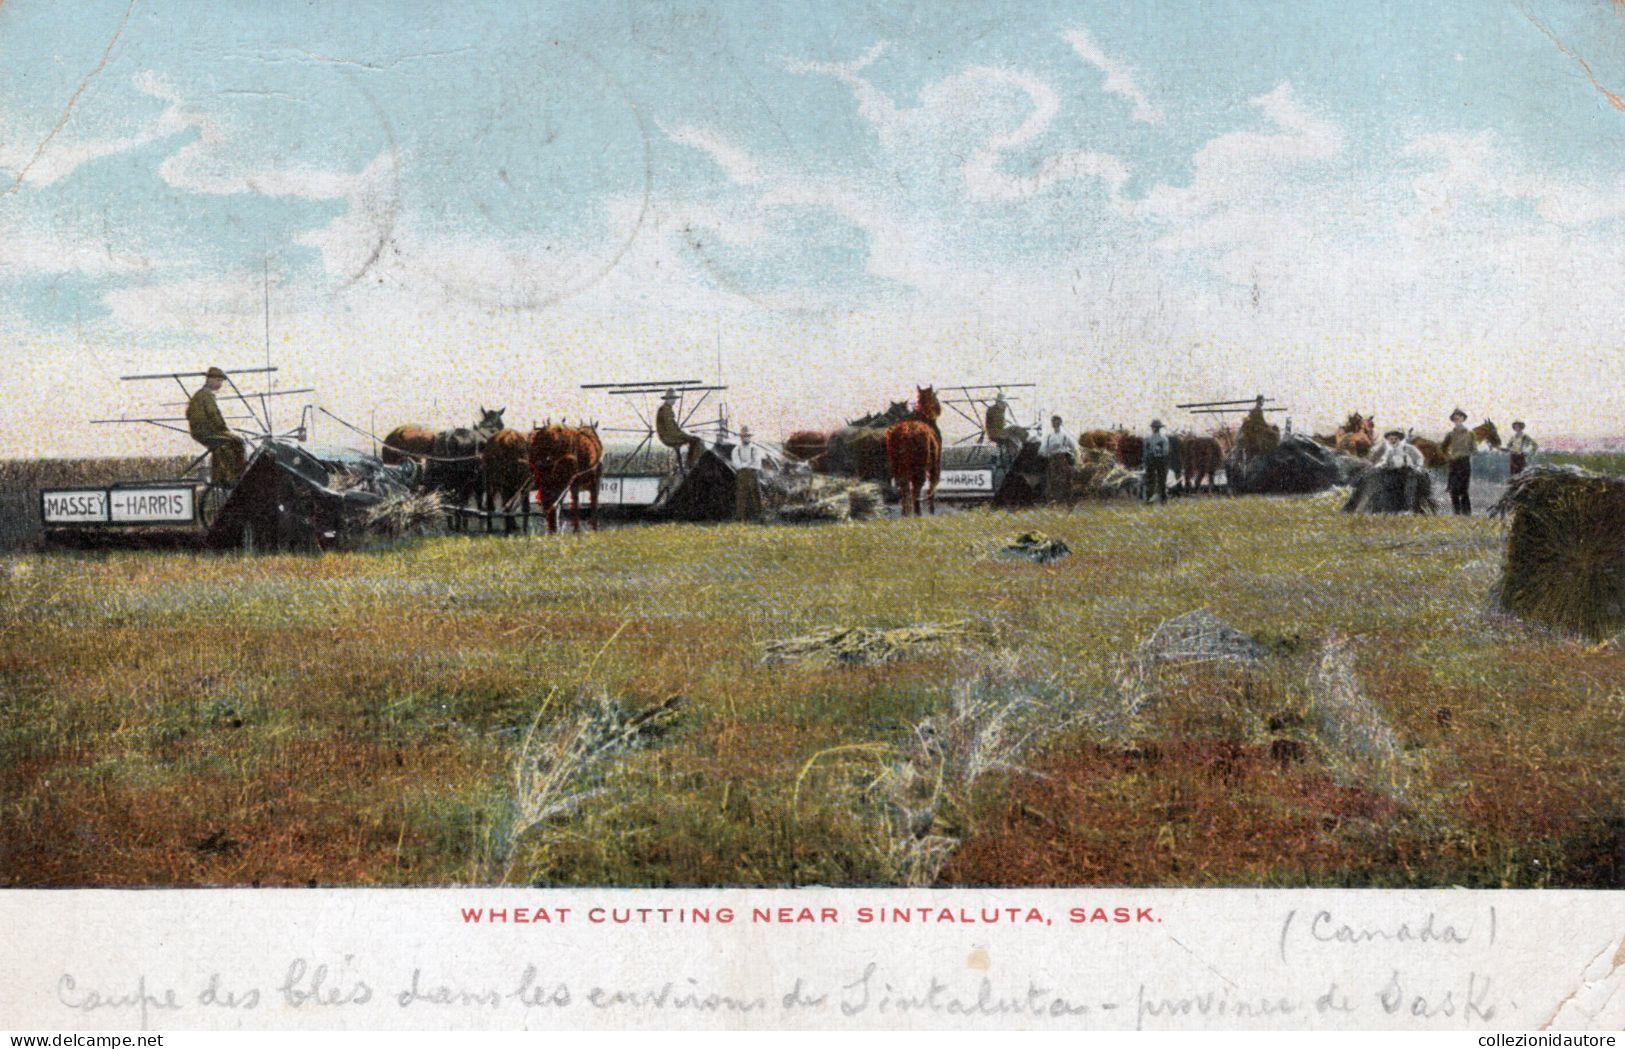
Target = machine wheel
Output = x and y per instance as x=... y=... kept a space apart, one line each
x=210 y=500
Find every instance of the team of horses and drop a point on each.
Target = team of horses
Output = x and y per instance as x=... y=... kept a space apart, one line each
x=502 y=466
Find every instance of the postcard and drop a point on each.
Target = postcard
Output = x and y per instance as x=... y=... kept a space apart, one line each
x=813 y=516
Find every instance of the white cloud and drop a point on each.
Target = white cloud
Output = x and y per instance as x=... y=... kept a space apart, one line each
x=980 y=114
x=1119 y=77
x=874 y=105
x=49 y=253
x=736 y=163
x=65 y=154
x=1238 y=165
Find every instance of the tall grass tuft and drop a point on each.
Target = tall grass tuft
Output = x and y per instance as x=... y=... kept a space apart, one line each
x=562 y=767
x=922 y=801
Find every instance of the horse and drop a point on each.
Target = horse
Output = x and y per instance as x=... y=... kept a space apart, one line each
x=1130 y=449
x=412 y=441
x=506 y=476
x=566 y=459
x=1199 y=457
x=1433 y=455
x=450 y=459
x=806 y=446
x=859 y=447
x=1356 y=436
x=914 y=452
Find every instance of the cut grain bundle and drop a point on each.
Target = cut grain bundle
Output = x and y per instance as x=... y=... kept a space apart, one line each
x=404 y=513
x=798 y=498
x=865 y=645
x=1565 y=552
x=1099 y=475
x=1360 y=745
x=1399 y=491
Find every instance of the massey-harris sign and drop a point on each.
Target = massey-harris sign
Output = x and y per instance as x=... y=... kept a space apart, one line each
x=133 y=505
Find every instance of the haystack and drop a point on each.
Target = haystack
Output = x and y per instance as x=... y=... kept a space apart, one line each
x=1565 y=554
x=1392 y=492
x=1298 y=465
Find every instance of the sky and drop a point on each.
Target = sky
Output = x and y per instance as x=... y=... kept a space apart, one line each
x=1395 y=208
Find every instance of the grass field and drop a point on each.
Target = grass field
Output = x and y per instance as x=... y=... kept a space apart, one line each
x=1601 y=462
x=461 y=710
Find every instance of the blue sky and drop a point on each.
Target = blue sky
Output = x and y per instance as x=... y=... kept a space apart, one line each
x=1392 y=207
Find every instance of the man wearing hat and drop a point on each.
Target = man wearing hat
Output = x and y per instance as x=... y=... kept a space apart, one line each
x=1257 y=437
x=208 y=428
x=1156 y=463
x=997 y=428
x=748 y=460
x=1522 y=446
x=1395 y=453
x=673 y=436
x=1458 y=447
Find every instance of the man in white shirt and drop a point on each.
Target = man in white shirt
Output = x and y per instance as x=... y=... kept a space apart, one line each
x=748 y=460
x=1396 y=453
x=1058 y=451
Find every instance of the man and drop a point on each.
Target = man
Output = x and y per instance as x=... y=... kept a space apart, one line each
x=672 y=435
x=1522 y=446
x=208 y=428
x=748 y=461
x=1156 y=463
x=1059 y=452
x=1395 y=453
x=1257 y=436
x=1458 y=447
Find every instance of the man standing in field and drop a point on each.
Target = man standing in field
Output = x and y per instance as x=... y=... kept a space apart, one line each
x=1156 y=463
x=208 y=428
x=1059 y=452
x=1458 y=447
x=1522 y=446
x=748 y=460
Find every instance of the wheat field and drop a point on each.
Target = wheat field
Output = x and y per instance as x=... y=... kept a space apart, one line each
x=666 y=706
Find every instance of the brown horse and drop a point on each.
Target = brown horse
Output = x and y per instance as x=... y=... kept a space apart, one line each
x=1199 y=457
x=806 y=445
x=1102 y=439
x=1356 y=436
x=914 y=452
x=566 y=459
x=412 y=441
x=1130 y=449
x=506 y=476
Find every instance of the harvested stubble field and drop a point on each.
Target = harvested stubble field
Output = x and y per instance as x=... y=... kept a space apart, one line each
x=480 y=710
